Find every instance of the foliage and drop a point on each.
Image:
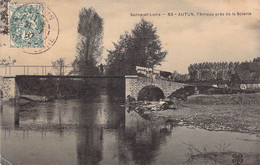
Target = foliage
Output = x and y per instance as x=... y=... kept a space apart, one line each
x=59 y=66
x=140 y=48
x=257 y=59
x=55 y=88
x=4 y=16
x=119 y=61
x=180 y=77
x=204 y=153
x=147 y=44
x=89 y=47
x=212 y=71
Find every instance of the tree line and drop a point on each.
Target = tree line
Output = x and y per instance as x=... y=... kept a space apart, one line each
x=211 y=71
x=215 y=71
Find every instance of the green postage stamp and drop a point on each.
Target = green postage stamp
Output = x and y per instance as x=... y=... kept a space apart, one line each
x=26 y=26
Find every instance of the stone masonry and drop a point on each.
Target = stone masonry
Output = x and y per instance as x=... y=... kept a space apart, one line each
x=135 y=83
x=8 y=87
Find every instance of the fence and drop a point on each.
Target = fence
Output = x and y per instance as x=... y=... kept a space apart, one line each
x=13 y=70
x=31 y=70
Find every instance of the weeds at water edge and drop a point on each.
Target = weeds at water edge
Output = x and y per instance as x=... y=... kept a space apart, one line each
x=195 y=153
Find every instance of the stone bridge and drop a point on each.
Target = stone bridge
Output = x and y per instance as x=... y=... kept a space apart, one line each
x=133 y=85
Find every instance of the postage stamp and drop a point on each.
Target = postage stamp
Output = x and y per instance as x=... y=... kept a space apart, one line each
x=26 y=26
x=51 y=32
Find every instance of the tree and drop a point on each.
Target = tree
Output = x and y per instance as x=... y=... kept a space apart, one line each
x=210 y=72
x=148 y=48
x=89 y=47
x=120 y=60
x=59 y=66
x=180 y=77
x=4 y=16
x=257 y=59
x=140 y=48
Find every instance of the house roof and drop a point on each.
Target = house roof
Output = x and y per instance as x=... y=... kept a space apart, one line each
x=244 y=70
x=254 y=67
x=251 y=67
x=244 y=75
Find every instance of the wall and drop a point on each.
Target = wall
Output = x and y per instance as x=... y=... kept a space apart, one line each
x=8 y=87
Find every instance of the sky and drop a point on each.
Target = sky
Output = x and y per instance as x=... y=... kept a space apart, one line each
x=188 y=39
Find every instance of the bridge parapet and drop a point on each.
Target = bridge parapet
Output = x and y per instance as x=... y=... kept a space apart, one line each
x=13 y=70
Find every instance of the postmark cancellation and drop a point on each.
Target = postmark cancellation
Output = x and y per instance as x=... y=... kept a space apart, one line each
x=26 y=26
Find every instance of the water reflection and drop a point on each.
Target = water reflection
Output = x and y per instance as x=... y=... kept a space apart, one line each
x=90 y=145
x=141 y=139
x=16 y=115
x=98 y=131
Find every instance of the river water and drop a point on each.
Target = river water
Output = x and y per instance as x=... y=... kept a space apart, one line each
x=98 y=131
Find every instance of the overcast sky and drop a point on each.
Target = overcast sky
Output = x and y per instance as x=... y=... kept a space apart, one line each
x=188 y=40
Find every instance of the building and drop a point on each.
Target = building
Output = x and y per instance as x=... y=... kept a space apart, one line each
x=247 y=76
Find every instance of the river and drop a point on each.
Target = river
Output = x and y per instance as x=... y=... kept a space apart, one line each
x=98 y=131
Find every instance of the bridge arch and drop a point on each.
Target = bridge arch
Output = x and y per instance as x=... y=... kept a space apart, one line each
x=134 y=84
x=151 y=93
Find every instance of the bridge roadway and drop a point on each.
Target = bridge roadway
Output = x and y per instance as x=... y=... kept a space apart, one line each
x=68 y=76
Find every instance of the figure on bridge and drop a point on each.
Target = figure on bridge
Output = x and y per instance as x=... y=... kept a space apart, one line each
x=101 y=69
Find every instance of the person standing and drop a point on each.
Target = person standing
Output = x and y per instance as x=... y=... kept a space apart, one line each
x=101 y=68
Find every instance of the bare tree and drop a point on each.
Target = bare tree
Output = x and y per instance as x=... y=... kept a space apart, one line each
x=59 y=66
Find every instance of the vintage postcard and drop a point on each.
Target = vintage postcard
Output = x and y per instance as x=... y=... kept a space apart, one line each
x=145 y=82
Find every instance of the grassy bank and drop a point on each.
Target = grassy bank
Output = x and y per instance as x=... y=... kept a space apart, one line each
x=208 y=112
x=228 y=99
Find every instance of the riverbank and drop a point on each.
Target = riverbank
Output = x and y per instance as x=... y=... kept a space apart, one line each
x=235 y=113
x=224 y=99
